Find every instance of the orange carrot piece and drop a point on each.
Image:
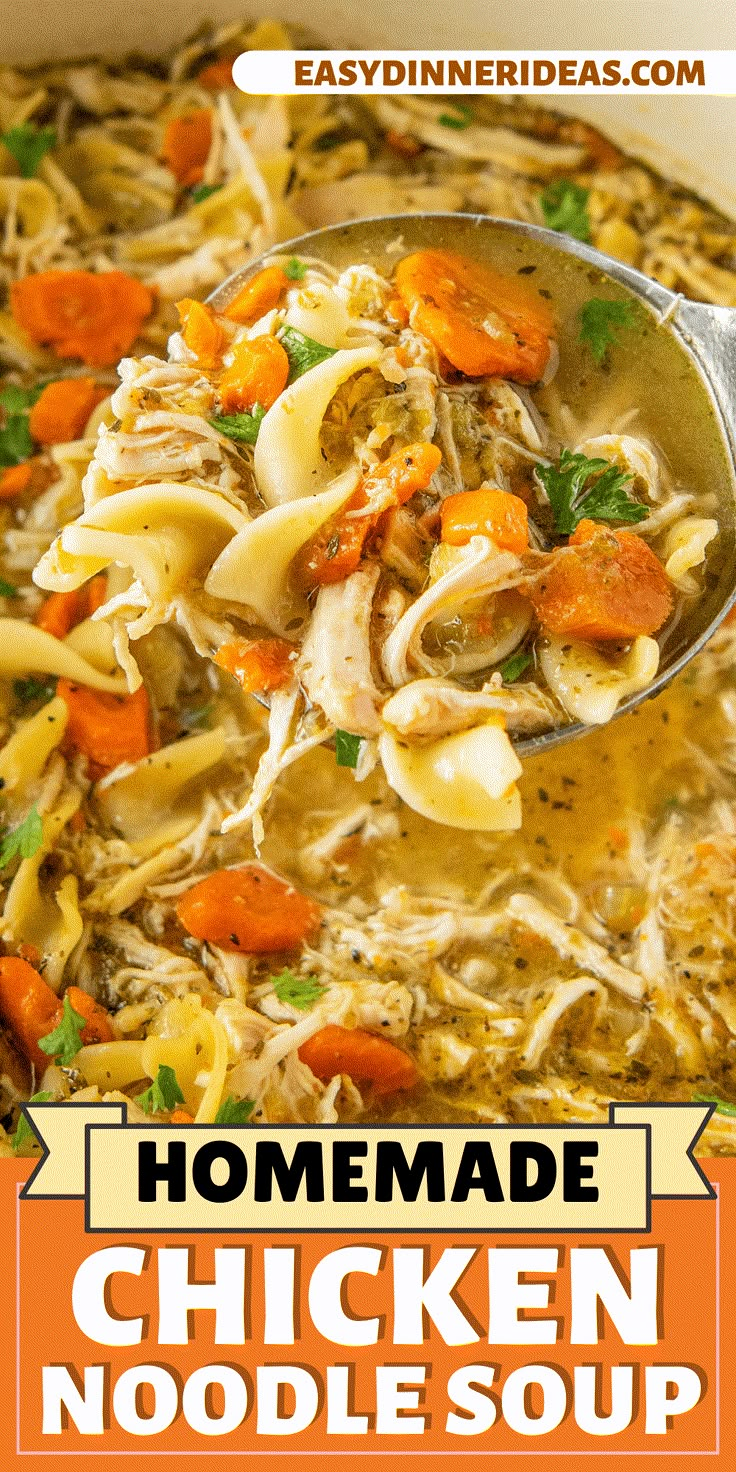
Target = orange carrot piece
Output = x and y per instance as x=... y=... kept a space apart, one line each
x=108 y=729
x=607 y=585
x=487 y=512
x=218 y=75
x=257 y=375
x=97 y=1027
x=403 y=144
x=403 y=473
x=483 y=322
x=62 y=410
x=365 y=1058
x=201 y=331
x=181 y=1116
x=28 y=1007
x=259 y=295
x=396 y=309
x=248 y=909
x=82 y=315
x=187 y=142
x=61 y=612
x=258 y=664
x=15 y=479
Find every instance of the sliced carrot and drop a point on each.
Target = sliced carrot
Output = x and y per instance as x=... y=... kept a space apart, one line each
x=248 y=909
x=259 y=295
x=257 y=375
x=403 y=473
x=201 y=331
x=82 y=315
x=403 y=144
x=15 y=479
x=97 y=1027
x=28 y=1007
x=62 y=410
x=607 y=585
x=396 y=309
x=483 y=322
x=365 y=1058
x=181 y=1116
x=487 y=512
x=187 y=142
x=61 y=612
x=218 y=75
x=108 y=729
x=258 y=664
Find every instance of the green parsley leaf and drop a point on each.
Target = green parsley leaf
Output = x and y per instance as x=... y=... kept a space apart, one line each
x=234 y=1111
x=15 y=399
x=163 y=1094
x=565 y=207
x=295 y=269
x=242 y=427
x=24 y=1134
x=16 y=444
x=302 y=351
x=7 y=590
x=64 y=1042
x=599 y=319
x=461 y=118
x=26 y=691
x=347 y=749
x=205 y=191
x=199 y=717
x=298 y=991
x=23 y=841
x=514 y=667
x=722 y=1105
x=28 y=145
x=572 y=497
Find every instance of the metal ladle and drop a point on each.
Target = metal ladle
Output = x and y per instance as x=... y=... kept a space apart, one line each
x=705 y=335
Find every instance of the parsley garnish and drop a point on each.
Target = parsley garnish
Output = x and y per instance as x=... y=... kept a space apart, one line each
x=243 y=427
x=303 y=352
x=205 y=191
x=295 y=269
x=16 y=444
x=23 y=841
x=722 y=1105
x=28 y=145
x=24 y=1133
x=565 y=207
x=64 y=1042
x=234 y=1111
x=572 y=497
x=598 y=322
x=15 y=399
x=514 y=667
x=198 y=717
x=461 y=118
x=26 y=691
x=163 y=1094
x=298 y=991
x=8 y=590
x=347 y=749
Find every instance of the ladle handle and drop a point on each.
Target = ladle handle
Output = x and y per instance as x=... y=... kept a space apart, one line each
x=710 y=333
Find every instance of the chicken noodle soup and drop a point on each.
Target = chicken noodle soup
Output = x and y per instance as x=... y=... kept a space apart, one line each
x=367 y=963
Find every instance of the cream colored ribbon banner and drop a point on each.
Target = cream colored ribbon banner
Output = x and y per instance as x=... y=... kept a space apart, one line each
x=499 y=1178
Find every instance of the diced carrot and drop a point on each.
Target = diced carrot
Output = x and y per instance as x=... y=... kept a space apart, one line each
x=487 y=512
x=403 y=144
x=259 y=295
x=187 y=142
x=82 y=315
x=248 y=909
x=218 y=75
x=61 y=612
x=181 y=1116
x=108 y=729
x=62 y=410
x=29 y=953
x=28 y=1007
x=15 y=479
x=365 y=1058
x=396 y=309
x=97 y=1027
x=483 y=321
x=258 y=664
x=402 y=473
x=201 y=331
x=607 y=585
x=257 y=375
